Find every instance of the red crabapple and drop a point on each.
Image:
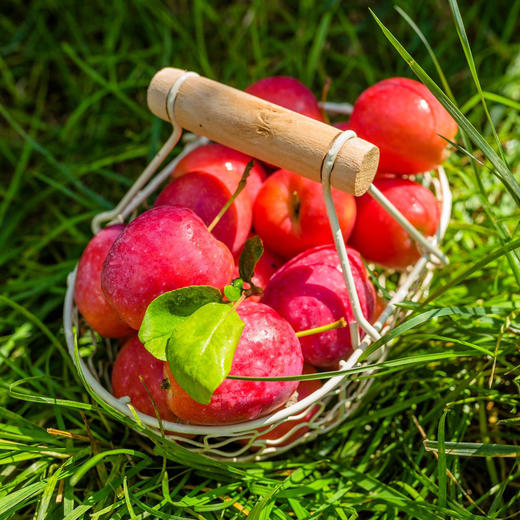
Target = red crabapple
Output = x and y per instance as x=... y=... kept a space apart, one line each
x=405 y=120
x=165 y=248
x=289 y=214
x=309 y=291
x=268 y=347
x=379 y=238
x=206 y=193
x=289 y=93
x=89 y=297
x=219 y=159
x=132 y=361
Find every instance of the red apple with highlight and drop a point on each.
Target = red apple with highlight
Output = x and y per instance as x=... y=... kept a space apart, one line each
x=206 y=193
x=309 y=291
x=289 y=214
x=220 y=160
x=405 y=120
x=268 y=347
x=165 y=248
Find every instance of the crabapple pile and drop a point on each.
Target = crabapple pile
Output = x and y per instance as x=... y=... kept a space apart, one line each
x=177 y=246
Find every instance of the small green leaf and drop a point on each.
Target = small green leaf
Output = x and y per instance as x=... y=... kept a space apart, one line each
x=170 y=309
x=201 y=349
x=253 y=250
x=238 y=283
x=232 y=293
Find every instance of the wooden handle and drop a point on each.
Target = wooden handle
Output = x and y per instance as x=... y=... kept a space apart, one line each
x=263 y=130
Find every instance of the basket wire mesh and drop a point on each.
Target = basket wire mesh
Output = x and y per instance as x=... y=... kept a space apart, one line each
x=340 y=395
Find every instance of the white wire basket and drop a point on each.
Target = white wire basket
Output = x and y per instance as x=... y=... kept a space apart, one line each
x=340 y=395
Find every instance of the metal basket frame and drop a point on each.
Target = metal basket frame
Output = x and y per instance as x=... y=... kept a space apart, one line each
x=339 y=396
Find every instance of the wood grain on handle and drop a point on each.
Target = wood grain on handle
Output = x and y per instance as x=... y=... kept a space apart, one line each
x=263 y=130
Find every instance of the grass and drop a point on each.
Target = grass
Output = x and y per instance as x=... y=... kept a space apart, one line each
x=433 y=439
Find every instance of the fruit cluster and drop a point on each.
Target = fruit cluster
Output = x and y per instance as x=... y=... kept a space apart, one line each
x=194 y=300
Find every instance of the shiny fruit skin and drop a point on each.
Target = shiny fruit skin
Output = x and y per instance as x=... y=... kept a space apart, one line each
x=290 y=217
x=309 y=291
x=206 y=193
x=88 y=296
x=405 y=120
x=132 y=361
x=165 y=248
x=219 y=160
x=268 y=347
x=379 y=238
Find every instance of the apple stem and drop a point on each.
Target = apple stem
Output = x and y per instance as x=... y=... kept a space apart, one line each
x=295 y=204
x=342 y=322
x=240 y=187
x=239 y=301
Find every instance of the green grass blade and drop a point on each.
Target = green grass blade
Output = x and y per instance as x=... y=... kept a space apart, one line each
x=441 y=461
x=461 y=31
x=433 y=57
x=474 y=449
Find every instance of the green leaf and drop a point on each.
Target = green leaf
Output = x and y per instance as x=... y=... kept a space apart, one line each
x=253 y=250
x=232 y=293
x=201 y=349
x=170 y=309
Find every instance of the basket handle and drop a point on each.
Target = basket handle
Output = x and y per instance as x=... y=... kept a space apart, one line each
x=263 y=130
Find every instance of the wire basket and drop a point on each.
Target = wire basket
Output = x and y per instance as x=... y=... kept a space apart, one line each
x=340 y=395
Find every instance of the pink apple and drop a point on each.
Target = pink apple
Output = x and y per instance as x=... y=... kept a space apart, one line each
x=89 y=297
x=309 y=291
x=220 y=160
x=206 y=193
x=165 y=248
x=268 y=347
